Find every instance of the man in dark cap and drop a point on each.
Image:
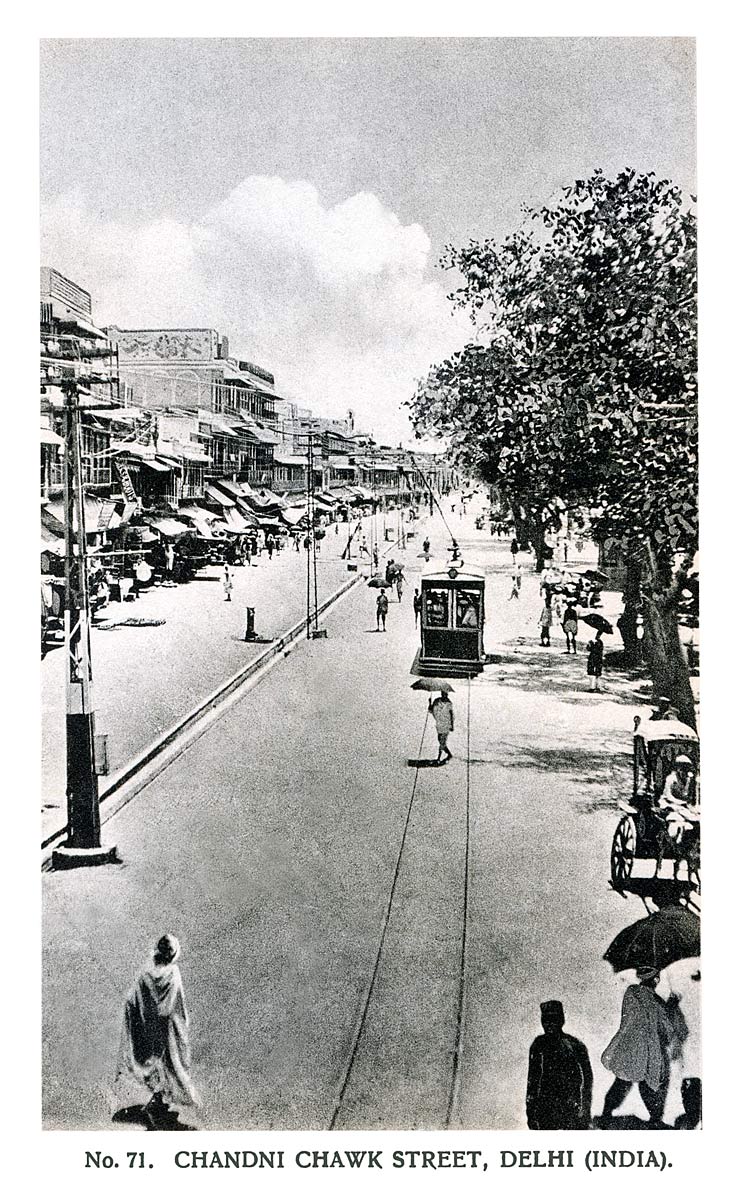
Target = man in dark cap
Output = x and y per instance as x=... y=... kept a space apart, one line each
x=559 y=1094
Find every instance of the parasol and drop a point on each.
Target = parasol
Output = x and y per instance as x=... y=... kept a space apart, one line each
x=656 y=941
x=378 y=581
x=597 y=622
x=427 y=684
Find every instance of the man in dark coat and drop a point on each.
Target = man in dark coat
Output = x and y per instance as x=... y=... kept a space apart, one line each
x=559 y=1094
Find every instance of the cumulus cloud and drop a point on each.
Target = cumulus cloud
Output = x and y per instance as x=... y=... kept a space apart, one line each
x=336 y=301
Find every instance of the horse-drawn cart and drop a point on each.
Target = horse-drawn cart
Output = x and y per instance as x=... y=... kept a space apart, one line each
x=661 y=820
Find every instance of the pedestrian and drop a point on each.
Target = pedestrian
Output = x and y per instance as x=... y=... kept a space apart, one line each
x=154 y=1058
x=559 y=1093
x=417 y=606
x=569 y=625
x=381 y=609
x=595 y=652
x=514 y=548
x=517 y=580
x=400 y=581
x=545 y=621
x=170 y=559
x=270 y=546
x=375 y=558
x=651 y=1033
x=425 y=548
x=227 y=581
x=390 y=573
x=444 y=718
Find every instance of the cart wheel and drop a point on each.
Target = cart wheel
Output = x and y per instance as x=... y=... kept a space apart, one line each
x=622 y=851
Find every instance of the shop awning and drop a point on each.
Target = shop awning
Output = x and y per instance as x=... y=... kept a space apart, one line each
x=168 y=526
x=219 y=497
x=294 y=515
x=219 y=424
x=235 y=523
x=99 y=515
x=50 y=438
x=262 y=433
x=266 y=499
x=286 y=459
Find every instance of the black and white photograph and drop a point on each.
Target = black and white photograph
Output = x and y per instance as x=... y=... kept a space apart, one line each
x=370 y=795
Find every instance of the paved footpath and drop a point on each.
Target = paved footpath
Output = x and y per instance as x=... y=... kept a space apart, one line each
x=269 y=848
x=147 y=677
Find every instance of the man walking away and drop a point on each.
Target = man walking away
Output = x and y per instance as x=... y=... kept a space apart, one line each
x=595 y=652
x=227 y=581
x=651 y=1033
x=444 y=718
x=559 y=1094
x=514 y=547
x=425 y=548
x=569 y=625
x=381 y=609
x=545 y=621
x=154 y=1056
x=417 y=606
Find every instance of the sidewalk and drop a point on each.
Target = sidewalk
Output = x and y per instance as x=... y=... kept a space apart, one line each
x=269 y=849
x=147 y=677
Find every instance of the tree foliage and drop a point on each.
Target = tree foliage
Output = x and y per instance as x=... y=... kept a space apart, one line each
x=581 y=377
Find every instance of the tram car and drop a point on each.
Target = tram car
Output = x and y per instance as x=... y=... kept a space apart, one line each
x=452 y=624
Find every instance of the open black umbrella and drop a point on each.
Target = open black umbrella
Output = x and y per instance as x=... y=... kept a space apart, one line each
x=378 y=581
x=431 y=684
x=595 y=576
x=656 y=941
x=597 y=622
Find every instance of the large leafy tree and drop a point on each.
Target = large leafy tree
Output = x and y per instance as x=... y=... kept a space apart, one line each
x=580 y=383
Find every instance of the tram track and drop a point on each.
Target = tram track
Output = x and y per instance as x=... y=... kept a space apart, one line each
x=450 y=1108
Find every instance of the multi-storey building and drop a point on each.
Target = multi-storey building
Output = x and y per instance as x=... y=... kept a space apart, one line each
x=234 y=400
x=72 y=346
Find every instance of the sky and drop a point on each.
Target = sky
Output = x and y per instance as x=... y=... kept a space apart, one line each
x=296 y=195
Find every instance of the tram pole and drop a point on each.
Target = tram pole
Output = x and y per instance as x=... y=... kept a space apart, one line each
x=83 y=844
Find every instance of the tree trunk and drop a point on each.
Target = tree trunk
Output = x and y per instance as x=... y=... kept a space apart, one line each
x=662 y=647
x=627 y=622
x=529 y=530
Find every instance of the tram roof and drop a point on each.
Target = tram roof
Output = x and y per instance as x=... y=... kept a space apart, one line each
x=446 y=577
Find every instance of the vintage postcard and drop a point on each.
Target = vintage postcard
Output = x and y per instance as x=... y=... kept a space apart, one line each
x=369 y=551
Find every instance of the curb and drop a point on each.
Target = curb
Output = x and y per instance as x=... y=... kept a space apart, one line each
x=131 y=770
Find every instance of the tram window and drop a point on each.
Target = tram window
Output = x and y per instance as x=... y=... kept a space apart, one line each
x=436 y=606
x=466 y=609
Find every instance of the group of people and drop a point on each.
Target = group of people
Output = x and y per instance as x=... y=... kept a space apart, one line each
x=153 y=1070
x=565 y=611
x=650 y=1036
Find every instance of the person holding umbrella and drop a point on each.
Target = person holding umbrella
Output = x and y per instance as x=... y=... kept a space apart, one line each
x=595 y=654
x=651 y=1034
x=444 y=718
x=652 y=1030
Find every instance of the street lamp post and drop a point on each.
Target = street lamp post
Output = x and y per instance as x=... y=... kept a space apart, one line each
x=83 y=844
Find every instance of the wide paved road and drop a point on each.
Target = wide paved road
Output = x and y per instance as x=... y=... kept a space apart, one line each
x=270 y=848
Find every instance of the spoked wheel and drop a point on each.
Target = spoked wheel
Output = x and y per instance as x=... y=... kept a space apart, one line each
x=622 y=852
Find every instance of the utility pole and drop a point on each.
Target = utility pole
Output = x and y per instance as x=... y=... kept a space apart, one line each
x=312 y=559
x=83 y=845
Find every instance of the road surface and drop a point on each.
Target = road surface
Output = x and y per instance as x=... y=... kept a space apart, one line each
x=270 y=848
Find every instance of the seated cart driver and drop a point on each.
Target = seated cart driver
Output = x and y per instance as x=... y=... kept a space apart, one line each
x=677 y=803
